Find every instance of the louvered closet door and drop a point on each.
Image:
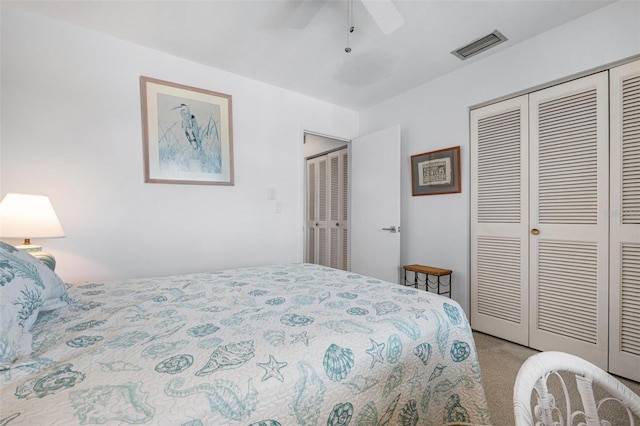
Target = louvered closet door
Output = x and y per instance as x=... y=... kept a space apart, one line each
x=569 y=190
x=317 y=235
x=499 y=220
x=624 y=331
x=327 y=210
x=338 y=205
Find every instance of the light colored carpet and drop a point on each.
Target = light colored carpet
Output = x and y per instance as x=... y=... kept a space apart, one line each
x=499 y=364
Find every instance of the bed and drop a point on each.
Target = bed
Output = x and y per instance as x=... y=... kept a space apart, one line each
x=294 y=344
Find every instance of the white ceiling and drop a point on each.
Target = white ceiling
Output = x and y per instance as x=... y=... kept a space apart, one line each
x=254 y=38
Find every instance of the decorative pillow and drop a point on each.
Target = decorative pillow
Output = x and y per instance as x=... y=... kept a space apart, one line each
x=27 y=287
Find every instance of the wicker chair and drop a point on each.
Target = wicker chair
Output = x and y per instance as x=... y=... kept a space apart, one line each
x=534 y=375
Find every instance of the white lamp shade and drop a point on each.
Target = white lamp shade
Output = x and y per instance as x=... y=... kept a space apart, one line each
x=28 y=216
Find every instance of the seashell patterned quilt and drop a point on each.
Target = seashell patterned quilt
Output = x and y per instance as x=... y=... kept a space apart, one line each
x=294 y=344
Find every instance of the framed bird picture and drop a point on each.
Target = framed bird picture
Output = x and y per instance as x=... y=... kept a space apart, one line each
x=187 y=134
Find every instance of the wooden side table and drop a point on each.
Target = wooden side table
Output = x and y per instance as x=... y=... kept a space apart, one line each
x=442 y=288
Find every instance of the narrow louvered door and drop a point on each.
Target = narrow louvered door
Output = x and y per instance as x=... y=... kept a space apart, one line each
x=624 y=323
x=317 y=233
x=499 y=220
x=337 y=205
x=569 y=193
x=327 y=223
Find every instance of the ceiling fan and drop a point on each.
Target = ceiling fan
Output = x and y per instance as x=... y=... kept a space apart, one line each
x=383 y=12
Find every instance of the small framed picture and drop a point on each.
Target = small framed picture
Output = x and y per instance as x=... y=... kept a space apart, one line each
x=436 y=172
x=187 y=134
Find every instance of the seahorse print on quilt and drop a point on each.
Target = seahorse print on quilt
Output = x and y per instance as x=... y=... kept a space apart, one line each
x=124 y=403
x=224 y=396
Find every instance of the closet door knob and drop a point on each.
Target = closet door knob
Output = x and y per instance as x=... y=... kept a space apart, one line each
x=534 y=231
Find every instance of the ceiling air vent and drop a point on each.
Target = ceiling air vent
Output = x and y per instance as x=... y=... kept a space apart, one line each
x=480 y=45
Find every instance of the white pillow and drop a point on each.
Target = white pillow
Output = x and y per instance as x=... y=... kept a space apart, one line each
x=27 y=287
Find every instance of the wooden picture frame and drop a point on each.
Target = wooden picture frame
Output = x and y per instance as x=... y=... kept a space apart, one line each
x=436 y=172
x=187 y=134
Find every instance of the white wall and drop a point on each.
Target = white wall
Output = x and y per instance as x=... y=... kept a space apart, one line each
x=71 y=129
x=435 y=229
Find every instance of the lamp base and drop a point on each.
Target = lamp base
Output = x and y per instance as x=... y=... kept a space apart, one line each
x=38 y=253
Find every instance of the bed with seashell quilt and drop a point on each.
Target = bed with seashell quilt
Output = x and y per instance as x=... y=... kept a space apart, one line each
x=295 y=344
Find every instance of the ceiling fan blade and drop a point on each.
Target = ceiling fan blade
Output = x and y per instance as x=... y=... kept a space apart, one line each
x=305 y=13
x=385 y=14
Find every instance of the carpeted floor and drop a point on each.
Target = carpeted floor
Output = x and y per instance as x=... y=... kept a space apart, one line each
x=499 y=364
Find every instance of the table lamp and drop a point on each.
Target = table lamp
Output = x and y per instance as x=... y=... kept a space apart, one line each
x=30 y=216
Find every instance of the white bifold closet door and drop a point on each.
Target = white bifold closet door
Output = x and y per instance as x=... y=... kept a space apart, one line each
x=500 y=220
x=569 y=200
x=624 y=322
x=539 y=229
x=327 y=210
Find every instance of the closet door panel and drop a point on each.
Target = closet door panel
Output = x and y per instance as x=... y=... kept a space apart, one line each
x=317 y=233
x=569 y=192
x=499 y=220
x=337 y=204
x=311 y=253
x=624 y=323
